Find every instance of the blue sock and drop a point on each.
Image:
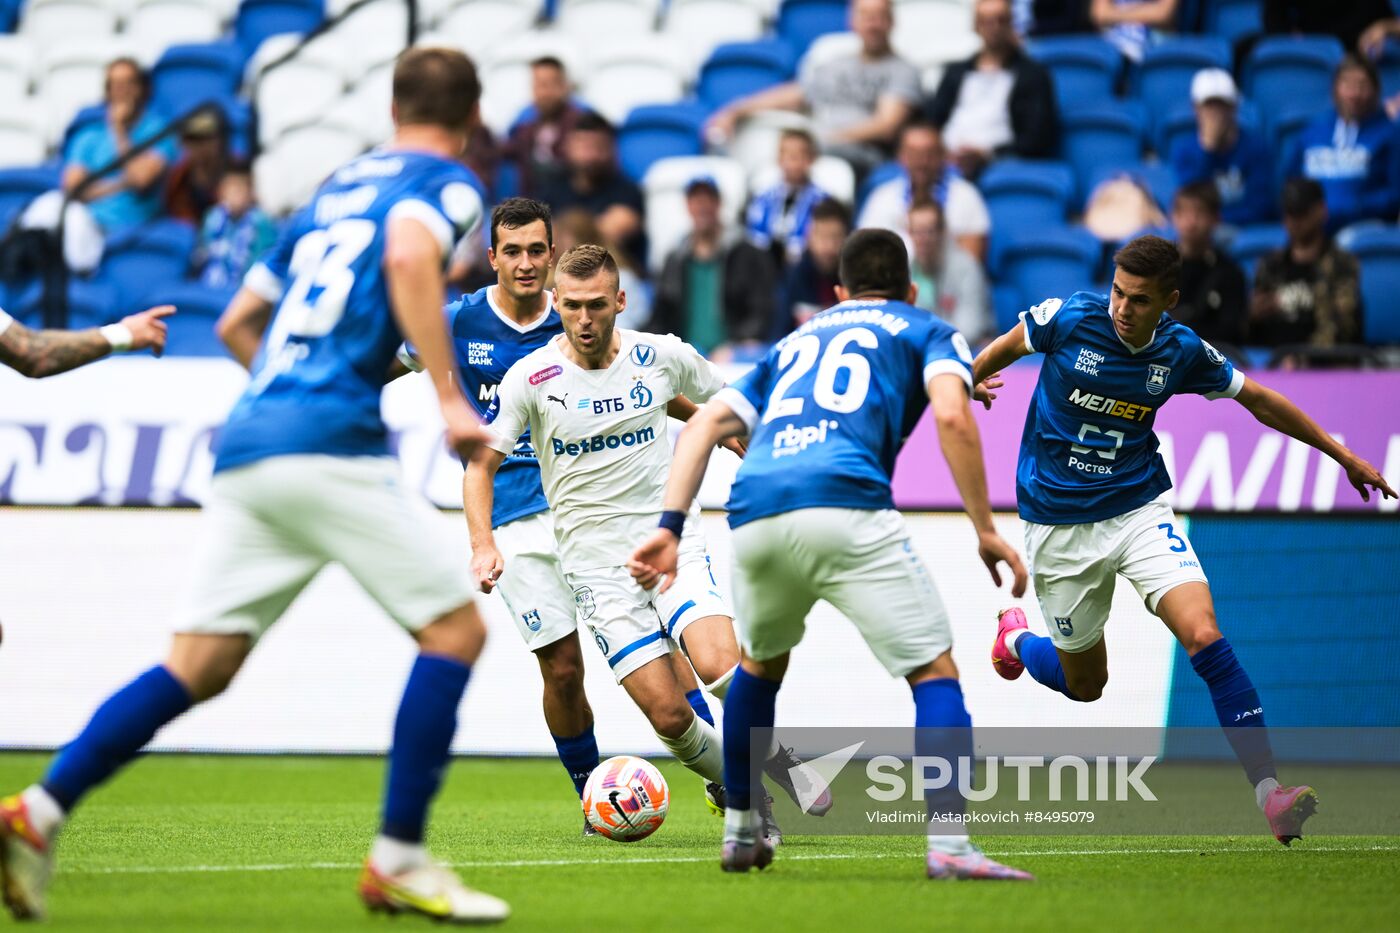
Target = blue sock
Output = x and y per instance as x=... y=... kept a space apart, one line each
x=748 y=705
x=114 y=735
x=1043 y=662
x=579 y=756
x=943 y=730
x=1237 y=707
x=423 y=733
x=697 y=701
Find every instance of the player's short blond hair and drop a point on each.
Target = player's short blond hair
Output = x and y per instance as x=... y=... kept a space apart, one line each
x=585 y=261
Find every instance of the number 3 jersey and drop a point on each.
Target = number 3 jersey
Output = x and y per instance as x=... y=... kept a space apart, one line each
x=600 y=435
x=322 y=364
x=1088 y=451
x=829 y=407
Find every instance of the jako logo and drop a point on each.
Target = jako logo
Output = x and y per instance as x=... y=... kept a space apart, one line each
x=603 y=442
x=792 y=439
x=545 y=375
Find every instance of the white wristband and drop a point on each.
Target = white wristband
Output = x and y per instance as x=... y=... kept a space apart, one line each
x=119 y=336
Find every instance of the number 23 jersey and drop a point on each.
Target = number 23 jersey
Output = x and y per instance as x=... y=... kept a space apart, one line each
x=322 y=364
x=1088 y=451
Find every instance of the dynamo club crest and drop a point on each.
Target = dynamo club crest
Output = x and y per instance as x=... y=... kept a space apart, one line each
x=1157 y=378
x=643 y=354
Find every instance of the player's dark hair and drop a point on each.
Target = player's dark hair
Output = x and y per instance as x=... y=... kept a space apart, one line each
x=548 y=61
x=1353 y=62
x=832 y=209
x=514 y=213
x=1300 y=196
x=436 y=86
x=875 y=264
x=1204 y=193
x=585 y=261
x=1151 y=258
x=590 y=122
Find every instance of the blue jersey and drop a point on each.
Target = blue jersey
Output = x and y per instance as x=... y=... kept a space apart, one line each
x=830 y=406
x=487 y=344
x=1088 y=451
x=318 y=374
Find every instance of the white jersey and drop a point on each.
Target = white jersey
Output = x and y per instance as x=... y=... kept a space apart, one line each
x=600 y=436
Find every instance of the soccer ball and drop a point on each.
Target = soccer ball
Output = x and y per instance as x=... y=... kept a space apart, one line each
x=626 y=798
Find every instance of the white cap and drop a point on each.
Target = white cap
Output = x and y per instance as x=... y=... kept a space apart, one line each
x=1214 y=84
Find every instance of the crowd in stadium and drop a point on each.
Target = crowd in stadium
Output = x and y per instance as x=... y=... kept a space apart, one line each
x=725 y=148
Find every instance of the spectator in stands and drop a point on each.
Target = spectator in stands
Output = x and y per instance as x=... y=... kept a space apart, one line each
x=1129 y=24
x=593 y=180
x=999 y=102
x=1352 y=150
x=811 y=283
x=1309 y=291
x=951 y=283
x=1347 y=21
x=858 y=101
x=1372 y=42
x=235 y=231
x=1212 y=301
x=129 y=196
x=1234 y=158
x=716 y=289
x=192 y=186
x=926 y=176
x=777 y=219
x=483 y=156
x=575 y=227
x=1050 y=17
x=536 y=141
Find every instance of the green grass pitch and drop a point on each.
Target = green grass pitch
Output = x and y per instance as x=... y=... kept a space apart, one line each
x=267 y=843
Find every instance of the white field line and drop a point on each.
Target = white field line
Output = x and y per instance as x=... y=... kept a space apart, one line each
x=672 y=860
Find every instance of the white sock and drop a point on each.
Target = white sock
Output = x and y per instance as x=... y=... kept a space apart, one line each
x=44 y=812
x=950 y=845
x=394 y=856
x=720 y=687
x=699 y=749
x=1011 y=644
x=739 y=825
x=1263 y=789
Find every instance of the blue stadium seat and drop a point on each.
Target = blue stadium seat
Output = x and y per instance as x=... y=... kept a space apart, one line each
x=19 y=186
x=737 y=69
x=1050 y=263
x=1378 y=250
x=192 y=327
x=1252 y=242
x=657 y=132
x=1291 y=72
x=1021 y=193
x=1232 y=20
x=1389 y=67
x=188 y=75
x=146 y=259
x=90 y=304
x=1006 y=306
x=1085 y=68
x=94 y=114
x=1109 y=135
x=800 y=22
x=258 y=19
x=1157 y=177
x=1164 y=78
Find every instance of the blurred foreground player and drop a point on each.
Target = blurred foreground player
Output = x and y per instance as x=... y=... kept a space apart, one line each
x=304 y=478
x=1090 y=483
x=40 y=353
x=827 y=411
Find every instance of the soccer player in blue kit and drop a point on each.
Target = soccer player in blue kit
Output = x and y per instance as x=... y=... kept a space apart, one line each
x=827 y=410
x=1089 y=486
x=303 y=478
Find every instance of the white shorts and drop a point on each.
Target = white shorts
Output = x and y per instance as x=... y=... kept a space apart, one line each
x=272 y=525
x=1074 y=568
x=860 y=561
x=532 y=583
x=632 y=626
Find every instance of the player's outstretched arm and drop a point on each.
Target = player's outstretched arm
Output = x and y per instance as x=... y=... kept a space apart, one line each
x=40 y=353
x=962 y=448
x=683 y=409
x=413 y=270
x=242 y=325
x=657 y=556
x=996 y=356
x=478 y=497
x=1274 y=410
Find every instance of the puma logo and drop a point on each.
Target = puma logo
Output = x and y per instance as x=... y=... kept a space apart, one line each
x=562 y=403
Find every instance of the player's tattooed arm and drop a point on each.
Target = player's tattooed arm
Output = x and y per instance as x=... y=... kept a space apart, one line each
x=1274 y=410
x=40 y=353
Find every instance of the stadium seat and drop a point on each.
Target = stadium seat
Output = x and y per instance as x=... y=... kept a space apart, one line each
x=16 y=67
x=188 y=75
x=191 y=329
x=371 y=35
x=624 y=76
x=1291 y=72
x=829 y=173
x=664 y=186
x=366 y=106
x=827 y=48
x=479 y=26
x=19 y=186
x=23 y=140
x=1389 y=67
x=136 y=262
x=702 y=25
x=1378 y=250
x=737 y=69
x=506 y=79
x=1006 y=306
x=258 y=19
x=96 y=113
x=1233 y=20
x=1023 y=193
x=171 y=22
x=1252 y=242
x=1085 y=69
x=70 y=76
x=1107 y=135
x=295 y=92
x=934 y=32
x=653 y=133
x=301 y=158
x=802 y=21
x=90 y=304
x=1050 y=262
x=47 y=20
x=1164 y=78
x=607 y=18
